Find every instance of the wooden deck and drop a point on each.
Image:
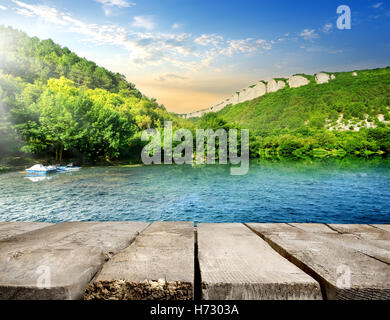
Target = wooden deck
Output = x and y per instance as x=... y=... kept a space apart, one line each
x=175 y=261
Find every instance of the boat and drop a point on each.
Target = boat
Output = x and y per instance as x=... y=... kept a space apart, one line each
x=41 y=169
x=68 y=168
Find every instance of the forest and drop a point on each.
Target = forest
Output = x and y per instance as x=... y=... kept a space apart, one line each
x=57 y=105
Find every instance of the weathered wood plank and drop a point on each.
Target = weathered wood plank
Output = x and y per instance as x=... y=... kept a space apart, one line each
x=236 y=264
x=10 y=229
x=363 y=231
x=385 y=227
x=270 y=228
x=338 y=261
x=58 y=261
x=158 y=265
x=367 y=239
x=313 y=227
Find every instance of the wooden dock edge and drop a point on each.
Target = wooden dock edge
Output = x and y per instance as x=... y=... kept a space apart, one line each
x=349 y=261
x=322 y=282
x=190 y=290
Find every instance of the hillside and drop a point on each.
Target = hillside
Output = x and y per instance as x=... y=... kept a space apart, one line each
x=347 y=115
x=352 y=99
x=54 y=103
x=32 y=59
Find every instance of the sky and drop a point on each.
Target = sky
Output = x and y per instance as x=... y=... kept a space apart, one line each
x=190 y=55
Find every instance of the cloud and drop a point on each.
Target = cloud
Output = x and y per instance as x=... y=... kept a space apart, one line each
x=47 y=13
x=110 y=7
x=3 y=8
x=377 y=5
x=144 y=22
x=172 y=76
x=176 y=26
x=209 y=39
x=149 y=47
x=327 y=28
x=116 y=3
x=246 y=46
x=308 y=34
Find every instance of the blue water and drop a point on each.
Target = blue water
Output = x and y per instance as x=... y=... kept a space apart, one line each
x=327 y=192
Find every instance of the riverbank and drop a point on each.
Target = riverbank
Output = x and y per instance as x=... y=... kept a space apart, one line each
x=155 y=261
x=12 y=164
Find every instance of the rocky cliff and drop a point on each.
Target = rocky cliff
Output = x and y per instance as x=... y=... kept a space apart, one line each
x=261 y=88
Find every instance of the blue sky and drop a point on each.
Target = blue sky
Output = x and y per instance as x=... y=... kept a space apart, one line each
x=192 y=54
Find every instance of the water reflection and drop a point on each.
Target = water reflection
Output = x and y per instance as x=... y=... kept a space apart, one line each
x=39 y=178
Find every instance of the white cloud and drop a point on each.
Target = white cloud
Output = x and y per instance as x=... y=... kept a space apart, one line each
x=208 y=39
x=47 y=13
x=377 y=5
x=264 y=44
x=176 y=26
x=246 y=46
x=308 y=34
x=111 y=7
x=149 y=47
x=327 y=28
x=116 y=3
x=3 y=8
x=144 y=22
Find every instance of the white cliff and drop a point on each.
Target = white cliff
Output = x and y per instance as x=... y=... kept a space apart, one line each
x=322 y=78
x=252 y=92
x=297 y=81
x=274 y=85
x=261 y=88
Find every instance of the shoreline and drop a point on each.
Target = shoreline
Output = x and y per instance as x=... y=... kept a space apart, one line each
x=125 y=163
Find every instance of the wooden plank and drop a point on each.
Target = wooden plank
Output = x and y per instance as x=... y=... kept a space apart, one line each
x=158 y=265
x=58 y=261
x=10 y=229
x=337 y=261
x=363 y=231
x=272 y=228
x=237 y=264
x=384 y=227
x=372 y=241
x=313 y=227
x=368 y=240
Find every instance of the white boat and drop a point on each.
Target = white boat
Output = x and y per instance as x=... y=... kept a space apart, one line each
x=68 y=168
x=41 y=169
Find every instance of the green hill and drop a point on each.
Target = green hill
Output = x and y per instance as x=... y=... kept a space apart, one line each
x=347 y=115
x=54 y=103
x=32 y=59
x=312 y=105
